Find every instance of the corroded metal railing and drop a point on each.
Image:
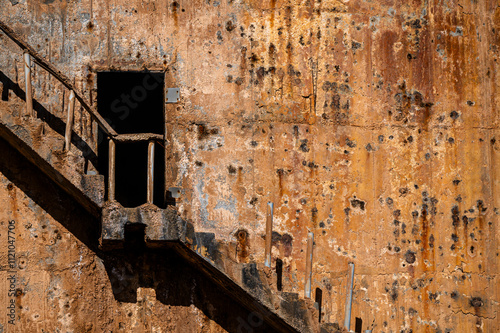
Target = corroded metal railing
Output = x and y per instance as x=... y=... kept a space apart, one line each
x=31 y=55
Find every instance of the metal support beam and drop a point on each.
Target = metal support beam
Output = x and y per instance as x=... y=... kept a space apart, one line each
x=269 y=233
x=69 y=121
x=309 y=260
x=27 y=81
x=111 y=170
x=151 y=159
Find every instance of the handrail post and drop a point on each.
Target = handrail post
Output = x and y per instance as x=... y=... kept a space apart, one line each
x=27 y=82
x=151 y=158
x=309 y=257
x=269 y=233
x=69 y=121
x=111 y=170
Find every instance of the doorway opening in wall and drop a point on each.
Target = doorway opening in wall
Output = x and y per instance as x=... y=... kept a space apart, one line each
x=133 y=102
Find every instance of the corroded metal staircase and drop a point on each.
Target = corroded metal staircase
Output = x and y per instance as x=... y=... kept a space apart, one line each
x=252 y=285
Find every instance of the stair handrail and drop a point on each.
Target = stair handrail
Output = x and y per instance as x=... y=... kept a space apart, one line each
x=30 y=53
x=103 y=124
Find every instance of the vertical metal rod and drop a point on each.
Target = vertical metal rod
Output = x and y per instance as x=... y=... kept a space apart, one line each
x=348 y=305
x=69 y=121
x=111 y=170
x=27 y=81
x=309 y=259
x=151 y=159
x=269 y=233
x=166 y=150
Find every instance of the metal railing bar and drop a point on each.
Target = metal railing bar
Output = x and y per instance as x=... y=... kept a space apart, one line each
x=150 y=178
x=111 y=170
x=27 y=83
x=138 y=137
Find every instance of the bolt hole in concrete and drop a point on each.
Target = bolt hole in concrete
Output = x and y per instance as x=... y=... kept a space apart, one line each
x=133 y=102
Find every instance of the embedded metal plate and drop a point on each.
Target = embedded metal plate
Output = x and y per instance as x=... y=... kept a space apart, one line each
x=175 y=192
x=173 y=95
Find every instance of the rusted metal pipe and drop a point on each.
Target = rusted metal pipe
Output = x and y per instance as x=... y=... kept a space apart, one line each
x=348 y=305
x=269 y=233
x=27 y=81
x=309 y=260
x=69 y=121
x=111 y=170
x=151 y=159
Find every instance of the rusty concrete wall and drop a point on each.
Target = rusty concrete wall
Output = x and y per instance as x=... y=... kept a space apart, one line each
x=57 y=283
x=371 y=123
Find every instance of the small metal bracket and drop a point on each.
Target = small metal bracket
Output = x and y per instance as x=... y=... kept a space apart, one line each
x=173 y=95
x=175 y=192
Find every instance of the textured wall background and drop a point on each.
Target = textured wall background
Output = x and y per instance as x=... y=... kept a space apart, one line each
x=373 y=124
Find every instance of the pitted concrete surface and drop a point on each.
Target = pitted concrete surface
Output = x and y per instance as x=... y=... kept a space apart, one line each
x=373 y=124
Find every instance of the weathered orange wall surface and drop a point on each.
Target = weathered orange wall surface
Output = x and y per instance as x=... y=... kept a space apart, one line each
x=373 y=124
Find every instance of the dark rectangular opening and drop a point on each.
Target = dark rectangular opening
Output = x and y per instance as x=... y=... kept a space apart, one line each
x=279 y=274
x=132 y=102
x=359 y=325
x=319 y=299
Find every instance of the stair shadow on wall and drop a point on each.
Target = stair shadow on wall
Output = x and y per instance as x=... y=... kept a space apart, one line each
x=182 y=278
x=49 y=196
x=178 y=283
x=55 y=123
x=179 y=276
